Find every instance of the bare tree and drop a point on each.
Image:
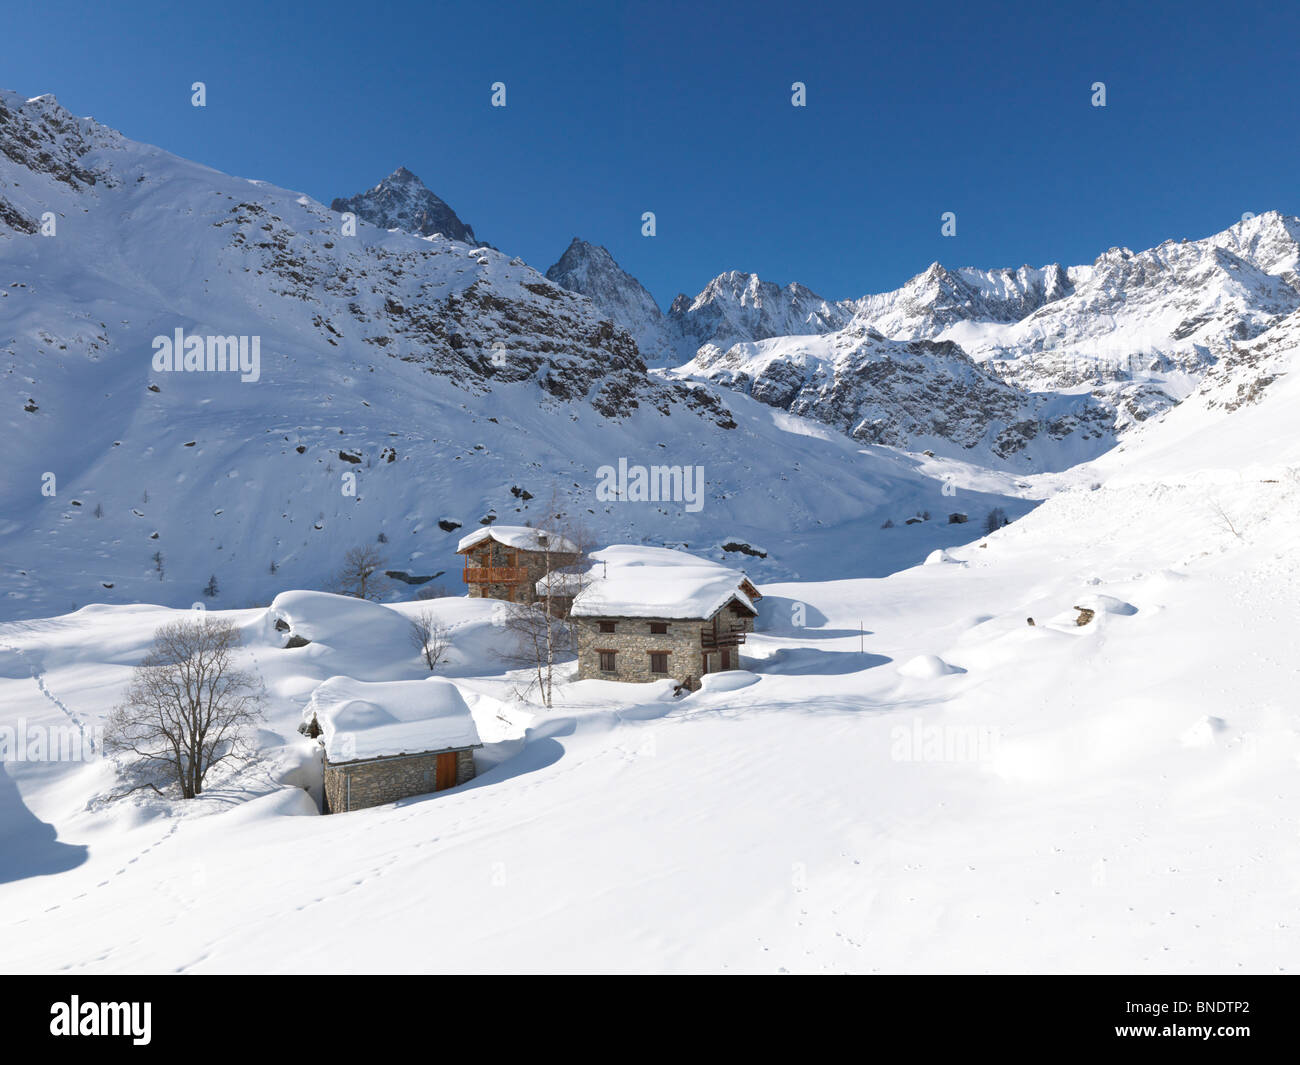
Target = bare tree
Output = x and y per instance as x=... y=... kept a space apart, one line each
x=1221 y=518
x=540 y=626
x=430 y=637
x=188 y=707
x=362 y=575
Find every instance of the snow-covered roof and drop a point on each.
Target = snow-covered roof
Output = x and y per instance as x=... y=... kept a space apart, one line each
x=657 y=582
x=361 y=719
x=338 y=620
x=523 y=537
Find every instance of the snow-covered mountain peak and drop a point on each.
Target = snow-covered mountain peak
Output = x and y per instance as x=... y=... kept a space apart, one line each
x=403 y=201
x=592 y=271
x=736 y=307
x=1270 y=240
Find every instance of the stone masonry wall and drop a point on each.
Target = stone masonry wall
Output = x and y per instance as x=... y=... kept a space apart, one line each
x=633 y=642
x=384 y=780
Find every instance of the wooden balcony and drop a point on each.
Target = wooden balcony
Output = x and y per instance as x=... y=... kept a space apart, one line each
x=495 y=574
x=711 y=641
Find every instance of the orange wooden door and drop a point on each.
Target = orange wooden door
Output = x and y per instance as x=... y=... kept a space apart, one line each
x=445 y=771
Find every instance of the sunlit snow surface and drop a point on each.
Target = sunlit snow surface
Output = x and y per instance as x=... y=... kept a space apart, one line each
x=1117 y=796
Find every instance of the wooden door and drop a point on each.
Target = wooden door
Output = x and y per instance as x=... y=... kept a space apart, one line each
x=446 y=771
x=726 y=658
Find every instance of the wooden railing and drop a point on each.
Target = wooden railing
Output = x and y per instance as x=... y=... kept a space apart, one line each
x=711 y=641
x=495 y=574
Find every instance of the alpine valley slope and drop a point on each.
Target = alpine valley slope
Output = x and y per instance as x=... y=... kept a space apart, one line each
x=407 y=386
x=953 y=790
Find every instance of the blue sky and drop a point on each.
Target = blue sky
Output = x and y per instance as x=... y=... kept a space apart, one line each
x=684 y=109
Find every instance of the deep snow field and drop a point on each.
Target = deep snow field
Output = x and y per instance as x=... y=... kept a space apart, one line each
x=950 y=790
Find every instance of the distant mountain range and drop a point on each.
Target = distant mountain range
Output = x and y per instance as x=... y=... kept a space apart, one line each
x=1033 y=367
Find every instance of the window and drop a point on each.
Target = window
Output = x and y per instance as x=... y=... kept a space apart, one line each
x=659 y=662
x=607 y=662
x=658 y=628
x=608 y=626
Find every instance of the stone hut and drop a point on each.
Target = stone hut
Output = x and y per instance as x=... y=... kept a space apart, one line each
x=652 y=613
x=506 y=561
x=390 y=740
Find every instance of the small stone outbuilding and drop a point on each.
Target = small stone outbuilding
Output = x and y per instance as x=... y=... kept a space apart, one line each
x=391 y=740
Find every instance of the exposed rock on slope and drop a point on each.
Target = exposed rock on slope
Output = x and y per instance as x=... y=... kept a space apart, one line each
x=910 y=394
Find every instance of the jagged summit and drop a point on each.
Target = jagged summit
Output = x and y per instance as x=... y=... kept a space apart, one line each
x=403 y=201
x=737 y=306
x=591 y=270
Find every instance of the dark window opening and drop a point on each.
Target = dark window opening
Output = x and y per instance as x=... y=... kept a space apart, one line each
x=658 y=661
x=607 y=661
x=658 y=628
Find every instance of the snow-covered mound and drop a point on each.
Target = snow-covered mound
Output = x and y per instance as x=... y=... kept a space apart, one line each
x=927 y=667
x=941 y=556
x=343 y=634
x=731 y=680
